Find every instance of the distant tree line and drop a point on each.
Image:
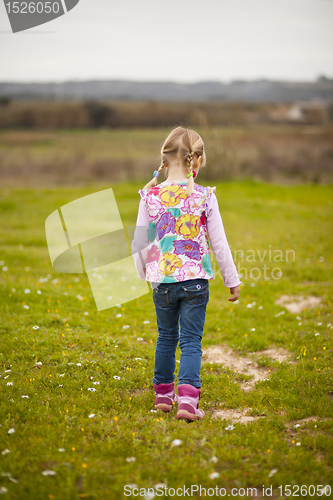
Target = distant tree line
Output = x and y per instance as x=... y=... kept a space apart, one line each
x=120 y=114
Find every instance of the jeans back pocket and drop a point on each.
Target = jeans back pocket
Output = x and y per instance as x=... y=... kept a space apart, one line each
x=196 y=294
x=161 y=296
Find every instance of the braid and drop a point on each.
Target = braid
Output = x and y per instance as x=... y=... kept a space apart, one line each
x=190 y=184
x=153 y=182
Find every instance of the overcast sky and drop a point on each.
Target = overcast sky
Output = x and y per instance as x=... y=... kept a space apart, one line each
x=174 y=40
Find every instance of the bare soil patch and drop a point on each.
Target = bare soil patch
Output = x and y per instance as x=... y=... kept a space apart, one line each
x=235 y=415
x=294 y=427
x=296 y=303
x=303 y=421
x=226 y=356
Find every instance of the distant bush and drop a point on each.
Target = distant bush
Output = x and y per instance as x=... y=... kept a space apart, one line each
x=5 y=101
x=120 y=114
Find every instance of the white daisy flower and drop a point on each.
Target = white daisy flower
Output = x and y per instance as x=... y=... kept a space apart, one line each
x=116 y=377
x=146 y=322
x=96 y=383
x=125 y=327
x=139 y=339
x=61 y=449
x=49 y=473
x=5 y=451
x=27 y=290
x=78 y=364
x=25 y=397
x=272 y=472
x=10 y=477
x=9 y=383
x=91 y=415
x=7 y=371
x=230 y=427
x=176 y=442
x=25 y=306
x=11 y=431
x=35 y=327
x=253 y=330
x=214 y=475
x=130 y=459
x=118 y=315
x=92 y=389
x=39 y=292
x=39 y=363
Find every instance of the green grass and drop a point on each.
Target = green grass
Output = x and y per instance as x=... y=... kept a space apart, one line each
x=257 y=217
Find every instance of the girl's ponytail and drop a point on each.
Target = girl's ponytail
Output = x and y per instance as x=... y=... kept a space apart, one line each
x=153 y=182
x=190 y=184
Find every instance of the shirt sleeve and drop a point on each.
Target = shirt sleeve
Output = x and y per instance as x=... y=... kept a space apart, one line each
x=219 y=243
x=140 y=243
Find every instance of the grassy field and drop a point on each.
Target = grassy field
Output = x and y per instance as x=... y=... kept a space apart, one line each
x=286 y=154
x=60 y=440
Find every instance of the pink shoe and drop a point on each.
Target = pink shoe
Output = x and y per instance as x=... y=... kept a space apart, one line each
x=188 y=402
x=165 y=396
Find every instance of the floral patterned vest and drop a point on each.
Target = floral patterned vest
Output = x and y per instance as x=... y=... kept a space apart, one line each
x=179 y=248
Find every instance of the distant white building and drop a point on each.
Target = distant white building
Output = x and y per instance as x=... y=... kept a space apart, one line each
x=295 y=113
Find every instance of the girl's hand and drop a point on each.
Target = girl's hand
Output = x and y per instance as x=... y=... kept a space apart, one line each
x=235 y=292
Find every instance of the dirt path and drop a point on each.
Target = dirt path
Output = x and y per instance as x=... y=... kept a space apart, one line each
x=246 y=365
x=226 y=356
x=296 y=303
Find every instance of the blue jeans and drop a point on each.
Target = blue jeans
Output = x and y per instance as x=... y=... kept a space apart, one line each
x=183 y=303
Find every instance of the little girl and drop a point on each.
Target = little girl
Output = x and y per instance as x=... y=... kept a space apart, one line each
x=174 y=222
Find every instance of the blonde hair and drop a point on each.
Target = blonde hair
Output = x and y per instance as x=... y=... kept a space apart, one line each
x=181 y=144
